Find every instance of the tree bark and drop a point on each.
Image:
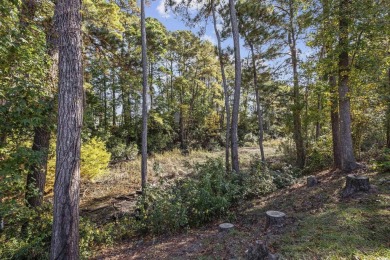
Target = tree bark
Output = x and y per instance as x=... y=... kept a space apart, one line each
x=237 y=86
x=65 y=234
x=318 y=123
x=36 y=178
x=335 y=121
x=113 y=101
x=298 y=139
x=144 y=164
x=388 y=114
x=225 y=89
x=259 y=113
x=105 y=102
x=348 y=162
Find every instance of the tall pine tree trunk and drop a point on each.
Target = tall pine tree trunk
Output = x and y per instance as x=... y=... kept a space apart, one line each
x=36 y=178
x=388 y=113
x=335 y=121
x=65 y=234
x=348 y=162
x=259 y=113
x=225 y=89
x=113 y=100
x=237 y=86
x=144 y=164
x=298 y=139
x=318 y=123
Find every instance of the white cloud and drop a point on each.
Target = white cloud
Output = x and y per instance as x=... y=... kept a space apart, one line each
x=209 y=38
x=161 y=10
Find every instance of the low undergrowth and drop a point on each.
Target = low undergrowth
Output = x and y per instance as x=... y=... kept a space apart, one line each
x=207 y=194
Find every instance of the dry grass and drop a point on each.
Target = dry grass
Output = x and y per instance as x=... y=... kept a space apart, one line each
x=124 y=177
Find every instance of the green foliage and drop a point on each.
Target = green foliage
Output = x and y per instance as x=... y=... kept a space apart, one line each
x=262 y=179
x=160 y=132
x=121 y=151
x=189 y=202
x=35 y=242
x=207 y=196
x=319 y=156
x=13 y=171
x=383 y=162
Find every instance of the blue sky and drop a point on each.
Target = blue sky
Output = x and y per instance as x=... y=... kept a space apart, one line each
x=172 y=22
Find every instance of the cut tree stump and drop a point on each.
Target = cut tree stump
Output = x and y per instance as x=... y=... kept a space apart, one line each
x=311 y=181
x=355 y=183
x=274 y=218
x=226 y=227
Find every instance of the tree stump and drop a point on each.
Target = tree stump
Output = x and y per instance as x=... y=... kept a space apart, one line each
x=226 y=227
x=259 y=251
x=274 y=218
x=355 y=183
x=311 y=181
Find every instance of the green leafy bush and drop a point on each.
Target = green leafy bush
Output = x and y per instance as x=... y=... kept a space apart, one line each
x=35 y=242
x=319 y=156
x=383 y=161
x=119 y=150
x=189 y=202
x=262 y=179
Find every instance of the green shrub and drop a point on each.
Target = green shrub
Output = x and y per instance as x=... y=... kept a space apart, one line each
x=262 y=179
x=383 y=161
x=161 y=211
x=189 y=202
x=319 y=155
x=282 y=179
x=119 y=150
x=34 y=242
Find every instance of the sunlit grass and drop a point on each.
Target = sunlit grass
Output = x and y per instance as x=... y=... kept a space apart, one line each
x=346 y=231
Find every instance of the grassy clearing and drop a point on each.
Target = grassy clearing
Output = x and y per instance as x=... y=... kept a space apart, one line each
x=327 y=227
x=124 y=177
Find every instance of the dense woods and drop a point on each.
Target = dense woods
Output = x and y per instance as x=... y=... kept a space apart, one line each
x=89 y=86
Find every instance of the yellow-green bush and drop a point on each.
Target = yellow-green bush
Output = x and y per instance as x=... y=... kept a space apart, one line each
x=94 y=161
